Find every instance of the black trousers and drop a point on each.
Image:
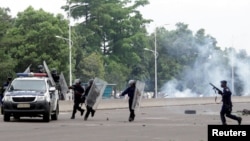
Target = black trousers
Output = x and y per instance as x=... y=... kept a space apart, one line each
x=76 y=107
x=89 y=110
x=226 y=111
x=131 y=110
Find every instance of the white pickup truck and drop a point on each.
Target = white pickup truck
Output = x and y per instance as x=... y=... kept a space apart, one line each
x=31 y=95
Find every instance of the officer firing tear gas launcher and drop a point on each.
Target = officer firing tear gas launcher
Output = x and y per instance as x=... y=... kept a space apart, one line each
x=226 y=109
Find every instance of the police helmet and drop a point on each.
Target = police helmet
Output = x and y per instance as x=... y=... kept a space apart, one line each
x=53 y=71
x=78 y=81
x=40 y=66
x=130 y=82
x=223 y=82
x=91 y=81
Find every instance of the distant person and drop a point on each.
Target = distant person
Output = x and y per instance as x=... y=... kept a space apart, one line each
x=4 y=87
x=88 y=107
x=55 y=75
x=40 y=69
x=227 y=105
x=78 y=92
x=56 y=79
x=130 y=90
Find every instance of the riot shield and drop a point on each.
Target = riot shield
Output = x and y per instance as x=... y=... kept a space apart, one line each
x=48 y=73
x=28 y=69
x=139 y=90
x=63 y=88
x=95 y=93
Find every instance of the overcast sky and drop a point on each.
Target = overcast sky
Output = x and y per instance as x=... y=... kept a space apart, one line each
x=226 y=20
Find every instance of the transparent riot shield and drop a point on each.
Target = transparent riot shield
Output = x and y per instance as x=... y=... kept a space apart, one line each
x=139 y=90
x=27 y=69
x=95 y=93
x=63 y=87
x=48 y=73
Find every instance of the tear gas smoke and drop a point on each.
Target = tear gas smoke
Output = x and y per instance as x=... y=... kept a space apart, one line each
x=211 y=65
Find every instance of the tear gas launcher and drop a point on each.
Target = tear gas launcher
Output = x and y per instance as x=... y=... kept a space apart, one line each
x=216 y=89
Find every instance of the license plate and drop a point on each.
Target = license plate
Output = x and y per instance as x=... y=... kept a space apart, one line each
x=23 y=106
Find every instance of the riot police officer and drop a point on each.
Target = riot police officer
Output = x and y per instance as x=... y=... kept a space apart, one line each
x=227 y=105
x=89 y=108
x=4 y=87
x=40 y=69
x=78 y=92
x=55 y=75
x=130 y=92
x=56 y=79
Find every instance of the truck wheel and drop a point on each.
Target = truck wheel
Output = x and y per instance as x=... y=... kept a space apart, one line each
x=56 y=113
x=1 y=109
x=46 y=115
x=6 y=117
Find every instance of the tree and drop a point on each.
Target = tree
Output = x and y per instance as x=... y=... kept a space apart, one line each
x=6 y=62
x=91 y=67
x=32 y=40
x=114 y=29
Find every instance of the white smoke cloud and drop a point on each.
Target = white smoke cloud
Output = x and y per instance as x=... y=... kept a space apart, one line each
x=210 y=67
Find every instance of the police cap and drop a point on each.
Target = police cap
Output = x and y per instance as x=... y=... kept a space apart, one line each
x=223 y=81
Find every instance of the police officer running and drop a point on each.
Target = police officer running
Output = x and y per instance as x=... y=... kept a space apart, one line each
x=227 y=105
x=78 y=91
x=89 y=108
x=130 y=92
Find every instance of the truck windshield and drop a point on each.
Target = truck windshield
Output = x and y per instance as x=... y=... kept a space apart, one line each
x=35 y=85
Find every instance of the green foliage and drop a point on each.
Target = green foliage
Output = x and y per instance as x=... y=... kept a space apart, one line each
x=114 y=29
x=114 y=72
x=6 y=62
x=108 y=44
x=91 y=66
x=32 y=40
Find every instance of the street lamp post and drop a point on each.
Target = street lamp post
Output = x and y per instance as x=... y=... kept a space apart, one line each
x=155 y=55
x=156 y=84
x=70 y=48
x=70 y=42
x=70 y=67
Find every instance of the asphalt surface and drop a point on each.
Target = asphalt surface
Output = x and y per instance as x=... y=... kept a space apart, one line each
x=159 y=102
x=156 y=120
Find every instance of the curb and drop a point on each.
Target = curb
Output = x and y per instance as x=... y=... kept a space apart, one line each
x=66 y=106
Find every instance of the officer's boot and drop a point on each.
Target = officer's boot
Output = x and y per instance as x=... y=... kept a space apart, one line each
x=92 y=112
x=130 y=117
x=73 y=115
x=82 y=111
x=239 y=120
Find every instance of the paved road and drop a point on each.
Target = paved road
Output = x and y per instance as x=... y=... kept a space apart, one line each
x=163 y=123
x=160 y=102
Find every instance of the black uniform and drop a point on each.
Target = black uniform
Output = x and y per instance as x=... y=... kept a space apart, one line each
x=89 y=109
x=227 y=105
x=56 y=79
x=4 y=87
x=130 y=91
x=78 y=91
